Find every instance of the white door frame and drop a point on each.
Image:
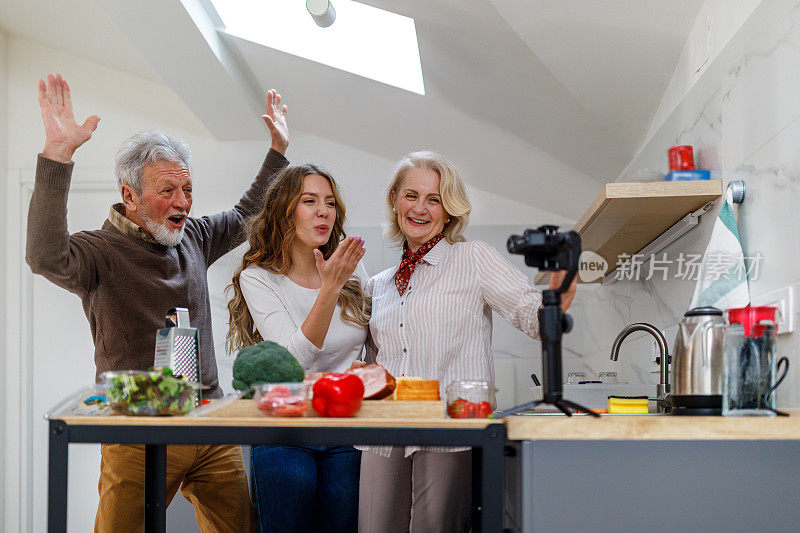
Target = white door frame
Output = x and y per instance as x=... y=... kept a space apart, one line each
x=18 y=490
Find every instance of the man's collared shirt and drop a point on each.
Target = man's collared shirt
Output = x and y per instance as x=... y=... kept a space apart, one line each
x=118 y=219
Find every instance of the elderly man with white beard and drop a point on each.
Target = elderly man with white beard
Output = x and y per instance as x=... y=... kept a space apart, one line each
x=148 y=257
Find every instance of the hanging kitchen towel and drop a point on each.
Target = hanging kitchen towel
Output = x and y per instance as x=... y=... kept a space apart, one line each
x=723 y=274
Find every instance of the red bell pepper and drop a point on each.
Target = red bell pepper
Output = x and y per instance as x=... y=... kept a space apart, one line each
x=338 y=395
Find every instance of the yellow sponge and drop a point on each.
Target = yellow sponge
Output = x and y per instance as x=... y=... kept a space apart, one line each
x=631 y=405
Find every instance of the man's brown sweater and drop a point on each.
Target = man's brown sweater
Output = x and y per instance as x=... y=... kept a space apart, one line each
x=127 y=284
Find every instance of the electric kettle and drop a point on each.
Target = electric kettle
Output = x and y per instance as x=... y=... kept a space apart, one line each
x=697 y=364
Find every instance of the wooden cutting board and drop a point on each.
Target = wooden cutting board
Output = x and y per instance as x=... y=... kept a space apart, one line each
x=369 y=409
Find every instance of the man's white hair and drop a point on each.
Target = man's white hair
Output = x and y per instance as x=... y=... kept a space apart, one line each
x=146 y=148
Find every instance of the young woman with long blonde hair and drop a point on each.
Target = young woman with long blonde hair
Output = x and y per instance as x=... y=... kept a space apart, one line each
x=297 y=286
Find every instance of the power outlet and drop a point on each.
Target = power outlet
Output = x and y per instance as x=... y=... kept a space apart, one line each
x=783 y=299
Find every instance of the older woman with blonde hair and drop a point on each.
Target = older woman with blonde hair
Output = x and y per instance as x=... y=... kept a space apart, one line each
x=432 y=318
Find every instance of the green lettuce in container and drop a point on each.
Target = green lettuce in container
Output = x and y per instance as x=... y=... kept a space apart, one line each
x=153 y=392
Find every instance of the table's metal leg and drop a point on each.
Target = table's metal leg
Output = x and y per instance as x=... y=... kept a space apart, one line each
x=491 y=480
x=57 y=465
x=155 y=488
x=477 y=474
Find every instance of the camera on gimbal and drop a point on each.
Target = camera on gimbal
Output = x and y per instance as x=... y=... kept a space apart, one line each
x=547 y=249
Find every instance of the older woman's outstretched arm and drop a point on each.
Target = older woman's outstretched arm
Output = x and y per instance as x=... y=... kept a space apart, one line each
x=507 y=291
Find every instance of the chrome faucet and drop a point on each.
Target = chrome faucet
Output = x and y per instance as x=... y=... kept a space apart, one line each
x=662 y=390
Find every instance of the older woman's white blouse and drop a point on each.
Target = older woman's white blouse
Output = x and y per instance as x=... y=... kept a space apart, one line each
x=441 y=327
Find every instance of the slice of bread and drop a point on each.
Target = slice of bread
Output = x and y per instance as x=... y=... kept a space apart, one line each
x=416 y=389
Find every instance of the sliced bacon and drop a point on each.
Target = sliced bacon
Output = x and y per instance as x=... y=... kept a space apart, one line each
x=378 y=382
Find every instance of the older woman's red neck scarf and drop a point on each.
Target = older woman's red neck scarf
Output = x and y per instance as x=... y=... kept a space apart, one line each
x=409 y=262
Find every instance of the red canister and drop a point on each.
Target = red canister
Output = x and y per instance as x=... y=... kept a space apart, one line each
x=753 y=319
x=681 y=158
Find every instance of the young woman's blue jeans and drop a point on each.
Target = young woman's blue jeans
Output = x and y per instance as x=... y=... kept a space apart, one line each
x=306 y=488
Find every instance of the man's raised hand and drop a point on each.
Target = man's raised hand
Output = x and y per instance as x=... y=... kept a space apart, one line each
x=275 y=117
x=62 y=134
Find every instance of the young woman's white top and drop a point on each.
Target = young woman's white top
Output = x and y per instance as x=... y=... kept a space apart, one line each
x=279 y=307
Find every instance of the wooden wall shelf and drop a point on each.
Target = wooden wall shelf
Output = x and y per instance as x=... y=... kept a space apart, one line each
x=626 y=217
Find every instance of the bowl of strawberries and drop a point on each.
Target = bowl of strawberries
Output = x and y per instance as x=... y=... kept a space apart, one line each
x=469 y=399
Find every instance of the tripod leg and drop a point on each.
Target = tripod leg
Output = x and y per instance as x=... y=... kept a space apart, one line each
x=518 y=409
x=561 y=407
x=579 y=408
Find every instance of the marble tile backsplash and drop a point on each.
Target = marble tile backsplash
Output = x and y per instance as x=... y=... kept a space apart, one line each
x=696 y=121
x=743 y=119
x=760 y=79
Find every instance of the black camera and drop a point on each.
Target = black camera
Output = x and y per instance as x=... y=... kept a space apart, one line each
x=547 y=249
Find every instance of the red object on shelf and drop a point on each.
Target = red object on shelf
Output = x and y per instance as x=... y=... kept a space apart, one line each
x=681 y=158
x=751 y=317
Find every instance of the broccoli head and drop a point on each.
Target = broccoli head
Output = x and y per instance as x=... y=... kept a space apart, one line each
x=266 y=362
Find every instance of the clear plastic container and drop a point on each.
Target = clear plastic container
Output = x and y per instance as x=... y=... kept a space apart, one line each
x=282 y=399
x=573 y=378
x=87 y=401
x=149 y=392
x=469 y=399
x=607 y=377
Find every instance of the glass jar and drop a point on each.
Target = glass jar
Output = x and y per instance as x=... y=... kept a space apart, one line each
x=469 y=399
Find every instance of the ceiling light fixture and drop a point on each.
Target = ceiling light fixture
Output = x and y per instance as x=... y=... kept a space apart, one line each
x=322 y=12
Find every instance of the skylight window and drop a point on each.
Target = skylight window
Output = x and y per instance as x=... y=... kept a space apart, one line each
x=364 y=40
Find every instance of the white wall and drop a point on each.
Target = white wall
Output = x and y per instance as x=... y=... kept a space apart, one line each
x=221 y=170
x=715 y=25
x=3 y=173
x=127 y=104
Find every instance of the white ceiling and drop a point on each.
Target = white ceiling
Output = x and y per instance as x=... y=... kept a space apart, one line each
x=614 y=56
x=517 y=91
x=78 y=27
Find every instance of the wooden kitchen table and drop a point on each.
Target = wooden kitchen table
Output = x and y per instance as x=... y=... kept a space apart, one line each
x=378 y=422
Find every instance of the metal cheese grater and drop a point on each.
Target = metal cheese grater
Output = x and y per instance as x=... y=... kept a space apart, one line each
x=176 y=346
